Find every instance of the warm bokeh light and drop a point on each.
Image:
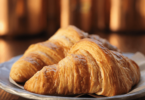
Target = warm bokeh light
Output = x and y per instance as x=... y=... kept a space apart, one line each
x=85 y=14
x=2 y=27
x=115 y=15
x=35 y=16
x=34 y=12
x=141 y=7
x=20 y=9
x=34 y=6
x=141 y=10
x=65 y=16
x=114 y=39
x=3 y=17
x=4 y=49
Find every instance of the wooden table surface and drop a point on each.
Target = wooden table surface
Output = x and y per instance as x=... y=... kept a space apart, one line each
x=12 y=47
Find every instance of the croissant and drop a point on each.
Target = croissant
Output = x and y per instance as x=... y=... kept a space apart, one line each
x=89 y=67
x=45 y=53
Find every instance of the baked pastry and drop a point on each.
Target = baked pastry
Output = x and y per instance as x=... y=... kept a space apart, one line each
x=45 y=53
x=89 y=67
x=50 y=52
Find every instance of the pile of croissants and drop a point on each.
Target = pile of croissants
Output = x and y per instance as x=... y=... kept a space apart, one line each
x=74 y=62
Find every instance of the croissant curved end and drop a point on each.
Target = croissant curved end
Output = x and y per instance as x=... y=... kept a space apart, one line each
x=89 y=67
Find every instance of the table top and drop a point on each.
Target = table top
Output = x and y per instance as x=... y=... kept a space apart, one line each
x=13 y=47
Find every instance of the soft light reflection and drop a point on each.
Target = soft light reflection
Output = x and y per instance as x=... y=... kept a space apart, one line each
x=141 y=7
x=20 y=8
x=34 y=6
x=3 y=17
x=2 y=27
x=114 y=40
x=34 y=10
x=4 y=51
x=85 y=14
x=65 y=16
x=115 y=15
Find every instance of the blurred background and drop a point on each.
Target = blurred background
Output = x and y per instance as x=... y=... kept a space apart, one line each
x=23 y=22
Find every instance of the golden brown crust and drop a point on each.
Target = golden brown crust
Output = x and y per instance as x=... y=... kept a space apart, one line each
x=45 y=53
x=104 y=42
x=89 y=67
x=49 y=52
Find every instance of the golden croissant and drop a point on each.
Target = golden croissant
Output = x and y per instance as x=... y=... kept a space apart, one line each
x=45 y=53
x=89 y=67
x=49 y=52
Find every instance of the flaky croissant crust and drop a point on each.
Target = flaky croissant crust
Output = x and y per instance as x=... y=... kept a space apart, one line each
x=89 y=67
x=45 y=53
x=50 y=52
